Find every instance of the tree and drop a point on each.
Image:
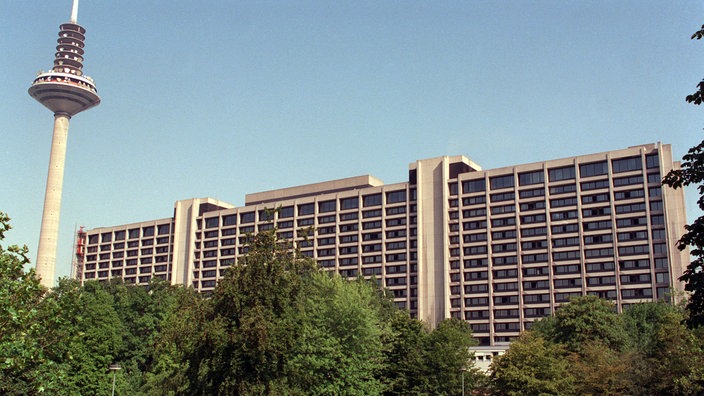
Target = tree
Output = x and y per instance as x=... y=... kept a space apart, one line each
x=25 y=337
x=533 y=366
x=585 y=319
x=692 y=172
x=447 y=355
x=340 y=349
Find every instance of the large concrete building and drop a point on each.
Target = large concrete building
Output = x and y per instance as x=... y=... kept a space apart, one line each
x=499 y=248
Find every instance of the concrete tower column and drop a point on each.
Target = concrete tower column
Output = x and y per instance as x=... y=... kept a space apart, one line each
x=48 y=237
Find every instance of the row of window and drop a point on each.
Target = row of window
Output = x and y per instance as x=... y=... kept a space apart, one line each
x=133 y=233
x=563 y=173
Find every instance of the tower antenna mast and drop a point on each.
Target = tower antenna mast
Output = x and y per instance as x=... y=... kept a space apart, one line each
x=74 y=12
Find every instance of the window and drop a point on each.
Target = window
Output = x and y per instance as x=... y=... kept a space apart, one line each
x=528 y=232
x=504 y=247
x=604 y=252
x=630 y=208
x=148 y=231
x=633 y=250
x=247 y=217
x=558 y=203
x=229 y=220
x=349 y=203
x=395 y=196
x=631 y=222
x=537 y=271
x=564 y=173
x=588 y=199
x=286 y=212
x=478 y=237
x=536 y=192
x=532 y=245
x=561 y=256
x=106 y=237
x=539 y=218
x=503 y=209
x=534 y=258
x=630 y=194
x=348 y=216
x=473 y=200
x=651 y=161
x=532 y=206
x=596 y=225
x=596 y=239
x=507 y=221
x=659 y=234
x=509 y=196
x=120 y=235
x=372 y=200
x=498 y=182
x=599 y=267
x=470 y=186
x=509 y=234
x=595 y=185
x=593 y=169
x=327 y=206
x=306 y=209
x=475 y=263
x=634 y=264
x=567 y=188
x=566 y=215
x=626 y=164
x=528 y=178
x=473 y=225
x=562 y=242
x=266 y=215
x=564 y=228
x=505 y=260
x=593 y=212
x=212 y=222
x=473 y=213
x=627 y=181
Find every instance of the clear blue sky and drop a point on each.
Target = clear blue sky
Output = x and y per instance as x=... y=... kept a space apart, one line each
x=223 y=98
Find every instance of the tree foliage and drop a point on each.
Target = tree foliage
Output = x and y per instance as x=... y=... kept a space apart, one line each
x=691 y=172
x=533 y=366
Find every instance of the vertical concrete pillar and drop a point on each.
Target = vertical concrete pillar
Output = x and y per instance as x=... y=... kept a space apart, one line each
x=48 y=236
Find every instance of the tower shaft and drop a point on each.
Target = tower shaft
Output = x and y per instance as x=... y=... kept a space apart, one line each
x=48 y=237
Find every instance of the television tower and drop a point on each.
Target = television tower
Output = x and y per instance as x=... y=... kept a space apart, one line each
x=65 y=91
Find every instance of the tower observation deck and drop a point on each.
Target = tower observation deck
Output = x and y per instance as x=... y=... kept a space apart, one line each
x=66 y=91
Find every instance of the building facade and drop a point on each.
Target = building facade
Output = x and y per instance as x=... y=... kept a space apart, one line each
x=499 y=248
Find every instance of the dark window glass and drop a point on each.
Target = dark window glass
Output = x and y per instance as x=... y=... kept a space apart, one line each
x=593 y=169
x=564 y=173
x=306 y=209
x=349 y=203
x=327 y=206
x=286 y=212
x=498 y=182
x=372 y=200
x=395 y=196
x=469 y=186
x=247 y=217
x=626 y=164
x=528 y=178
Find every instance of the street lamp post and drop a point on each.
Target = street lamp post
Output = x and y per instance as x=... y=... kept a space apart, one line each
x=114 y=367
x=463 y=370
